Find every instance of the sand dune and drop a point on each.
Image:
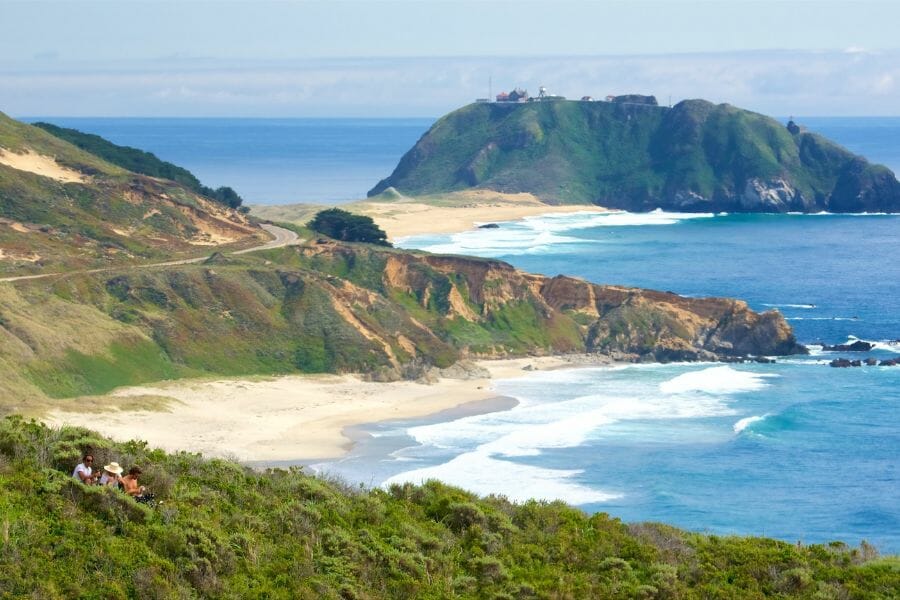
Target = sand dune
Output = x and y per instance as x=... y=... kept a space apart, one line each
x=42 y=165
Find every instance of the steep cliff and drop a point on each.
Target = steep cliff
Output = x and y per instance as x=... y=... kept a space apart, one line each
x=695 y=156
x=329 y=307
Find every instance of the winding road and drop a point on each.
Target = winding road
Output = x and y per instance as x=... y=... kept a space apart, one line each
x=282 y=237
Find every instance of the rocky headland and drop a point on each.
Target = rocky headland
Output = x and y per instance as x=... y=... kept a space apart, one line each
x=694 y=157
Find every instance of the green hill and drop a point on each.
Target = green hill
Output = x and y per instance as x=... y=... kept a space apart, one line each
x=138 y=161
x=224 y=531
x=695 y=156
x=330 y=307
x=64 y=208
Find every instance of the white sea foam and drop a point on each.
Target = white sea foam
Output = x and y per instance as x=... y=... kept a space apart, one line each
x=485 y=470
x=821 y=319
x=825 y=213
x=888 y=345
x=538 y=234
x=885 y=345
x=803 y=362
x=481 y=473
x=715 y=380
x=569 y=221
x=494 y=242
x=486 y=447
x=807 y=306
x=743 y=423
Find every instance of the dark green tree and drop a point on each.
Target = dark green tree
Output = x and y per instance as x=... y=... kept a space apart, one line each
x=342 y=225
x=142 y=162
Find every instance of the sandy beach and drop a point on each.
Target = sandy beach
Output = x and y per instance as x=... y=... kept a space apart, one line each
x=446 y=213
x=297 y=417
x=457 y=212
x=306 y=417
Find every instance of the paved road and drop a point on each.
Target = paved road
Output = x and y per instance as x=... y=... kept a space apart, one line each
x=283 y=237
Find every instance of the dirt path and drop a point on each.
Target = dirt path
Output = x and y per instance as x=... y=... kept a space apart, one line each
x=282 y=237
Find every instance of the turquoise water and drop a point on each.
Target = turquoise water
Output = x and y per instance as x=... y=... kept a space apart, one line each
x=795 y=450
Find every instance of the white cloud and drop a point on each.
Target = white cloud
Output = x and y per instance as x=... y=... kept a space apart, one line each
x=772 y=82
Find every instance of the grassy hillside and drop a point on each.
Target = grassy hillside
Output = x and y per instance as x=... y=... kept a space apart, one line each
x=223 y=531
x=696 y=156
x=329 y=307
x=62 y=208
x=138 y=161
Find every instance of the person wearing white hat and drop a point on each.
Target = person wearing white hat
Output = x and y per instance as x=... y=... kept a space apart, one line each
x=111 y=474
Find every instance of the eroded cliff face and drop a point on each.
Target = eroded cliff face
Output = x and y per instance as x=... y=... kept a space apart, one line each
x=329 y=307
x=575 y=314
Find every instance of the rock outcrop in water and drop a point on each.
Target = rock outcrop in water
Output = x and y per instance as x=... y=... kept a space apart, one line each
x=635 y=155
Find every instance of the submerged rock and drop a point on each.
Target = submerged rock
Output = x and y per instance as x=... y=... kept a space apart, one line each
x=843 y=363
x=857 y=346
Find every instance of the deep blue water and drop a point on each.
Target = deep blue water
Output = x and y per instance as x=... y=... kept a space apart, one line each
x=269 y=161
x=795 y=450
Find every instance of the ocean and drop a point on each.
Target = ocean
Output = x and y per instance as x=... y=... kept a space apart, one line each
x=795 y=450
x=269 y=161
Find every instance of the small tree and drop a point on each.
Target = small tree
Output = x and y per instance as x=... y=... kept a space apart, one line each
x=342 y=225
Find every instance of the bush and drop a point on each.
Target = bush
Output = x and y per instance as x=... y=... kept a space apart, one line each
x=342 y=225
x=226 y=531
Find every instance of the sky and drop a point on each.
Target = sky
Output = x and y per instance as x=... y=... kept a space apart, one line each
x=422 y=59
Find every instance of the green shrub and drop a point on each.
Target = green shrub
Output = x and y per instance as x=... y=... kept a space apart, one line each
x=345 y=226
x=228 y=532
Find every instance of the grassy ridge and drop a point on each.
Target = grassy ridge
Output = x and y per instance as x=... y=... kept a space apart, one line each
x=330 y=307
x=695 y=156
x=223 y=531
x=139 y=161
x=114 y=216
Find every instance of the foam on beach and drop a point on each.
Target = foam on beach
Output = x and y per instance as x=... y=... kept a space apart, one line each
x=786 y=305
x=539 y=234
x=482 y=453
x=715 y=380
x=821 y=319
x=483 y=474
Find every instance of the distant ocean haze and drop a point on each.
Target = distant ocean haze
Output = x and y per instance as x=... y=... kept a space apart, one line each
x=284 y=161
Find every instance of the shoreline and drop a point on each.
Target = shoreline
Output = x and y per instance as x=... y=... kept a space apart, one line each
x=297 y=418
x=454 y=212
x=459 y=211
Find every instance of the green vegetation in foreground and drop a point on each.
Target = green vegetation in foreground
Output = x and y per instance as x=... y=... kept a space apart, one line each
x=695 y=156
x=139 y=161
x=224 y=531
x=347 y=227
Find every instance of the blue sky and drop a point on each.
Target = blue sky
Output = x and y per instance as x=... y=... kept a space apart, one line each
x=373 y=58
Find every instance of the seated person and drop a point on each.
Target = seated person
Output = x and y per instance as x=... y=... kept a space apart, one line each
x=84 y=471
x=130 y=485
x=111 y=474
